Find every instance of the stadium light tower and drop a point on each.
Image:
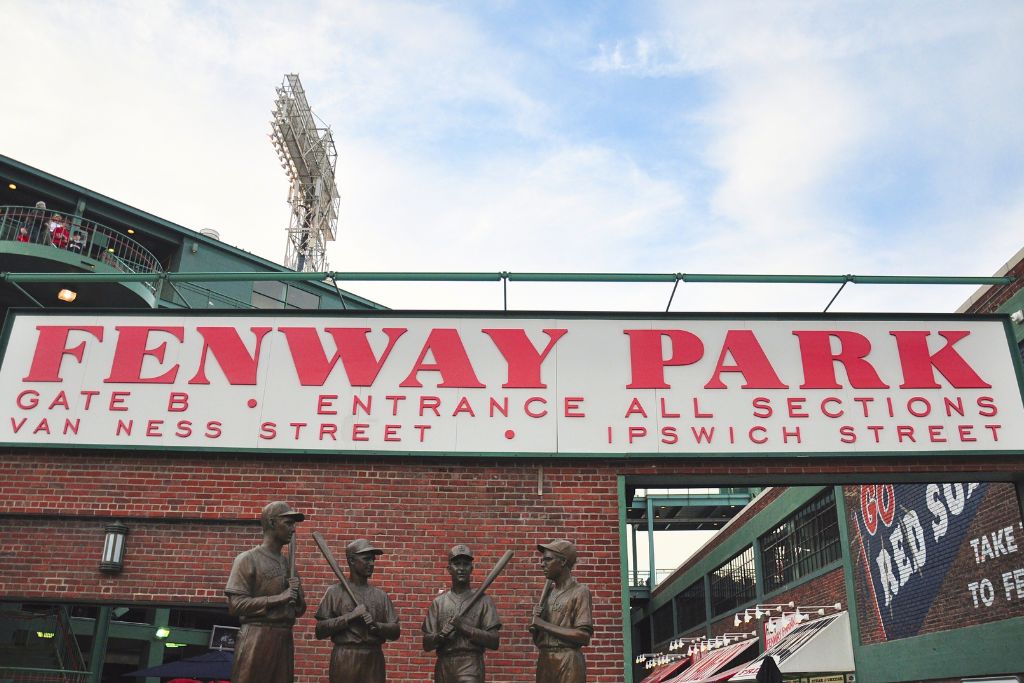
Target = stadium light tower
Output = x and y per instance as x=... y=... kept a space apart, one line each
x=305 y=146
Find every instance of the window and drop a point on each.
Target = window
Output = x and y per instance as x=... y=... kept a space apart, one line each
x=733 y=583
x=663 y=623
x=268 y=294
x=802 y=544
x=299 y=298
x=690 y=608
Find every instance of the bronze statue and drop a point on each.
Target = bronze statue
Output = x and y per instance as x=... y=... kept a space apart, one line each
x=562 y=621
x=358 y=618
x=460 y=625
x=266 y=595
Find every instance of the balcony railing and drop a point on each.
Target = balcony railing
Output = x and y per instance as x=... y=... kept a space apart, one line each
x=77 y=235
x=641 y=578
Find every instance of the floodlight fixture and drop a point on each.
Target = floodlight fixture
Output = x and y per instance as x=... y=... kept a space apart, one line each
x=758 y=611
x=305 y=146
x=819 y=609
x=740 y=635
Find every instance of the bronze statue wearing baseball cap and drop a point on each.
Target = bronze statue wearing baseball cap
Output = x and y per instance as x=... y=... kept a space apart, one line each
x=358 y=618
x=562 y=621
x=459 y=630
x=266 y=595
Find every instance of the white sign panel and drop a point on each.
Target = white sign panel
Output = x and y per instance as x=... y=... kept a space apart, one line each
x=410 y=383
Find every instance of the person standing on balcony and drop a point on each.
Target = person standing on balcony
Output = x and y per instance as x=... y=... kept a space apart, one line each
x=59 y=233
x=36 y=224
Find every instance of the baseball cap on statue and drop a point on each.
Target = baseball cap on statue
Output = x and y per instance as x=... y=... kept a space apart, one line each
x=460 y=550
x=561 y=547
x=280 y=509
x=360 y=546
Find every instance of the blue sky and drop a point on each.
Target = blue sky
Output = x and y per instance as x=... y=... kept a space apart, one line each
x=712 y=137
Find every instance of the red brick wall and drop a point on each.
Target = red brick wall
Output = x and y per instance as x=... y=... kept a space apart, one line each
x=827 y=589
x=190 y=514
x=997 y=295
x=415 y=511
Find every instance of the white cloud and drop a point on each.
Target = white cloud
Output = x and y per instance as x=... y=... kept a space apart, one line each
x=778 y=140
x=811 y=118
x=874 y=138
x=574 y=209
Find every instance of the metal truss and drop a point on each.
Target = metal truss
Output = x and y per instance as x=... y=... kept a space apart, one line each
x=305 y=147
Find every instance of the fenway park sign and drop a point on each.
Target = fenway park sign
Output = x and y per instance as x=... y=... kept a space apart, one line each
x=469 y=384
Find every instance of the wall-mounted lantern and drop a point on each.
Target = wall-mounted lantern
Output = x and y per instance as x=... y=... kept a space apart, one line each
x=112 y=560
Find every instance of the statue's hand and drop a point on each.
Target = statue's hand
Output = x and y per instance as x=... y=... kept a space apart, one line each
x=448 y=629
x=360 y=613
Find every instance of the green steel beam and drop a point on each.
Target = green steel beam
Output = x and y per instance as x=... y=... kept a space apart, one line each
x=147 y=632
x=779 y=279
x=592 y=277
x=636 y=566
x=504 y=275
x=31 y=673
x=101 y=629
x=849 y=579
x=696 y=500
x=627 y=624
x=652 y=576
x=155 y=654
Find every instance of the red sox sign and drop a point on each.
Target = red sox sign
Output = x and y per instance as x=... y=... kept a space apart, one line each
x=570 y=385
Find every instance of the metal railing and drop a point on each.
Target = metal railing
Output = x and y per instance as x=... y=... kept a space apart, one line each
x=41 y=648
x=77 y=235
x=504 y=277
x=641 y=578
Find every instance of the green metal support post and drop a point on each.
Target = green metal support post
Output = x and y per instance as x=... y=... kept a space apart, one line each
x=157 y=648
x=99 y=644
x=652 y=579
x=1020 y=497
x=709 y=617
x=636 y=568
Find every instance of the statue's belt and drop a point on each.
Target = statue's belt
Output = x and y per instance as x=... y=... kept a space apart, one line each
x=269 y=624
x=359 y=646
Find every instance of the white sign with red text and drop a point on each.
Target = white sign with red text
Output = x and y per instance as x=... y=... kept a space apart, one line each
x=466 y=384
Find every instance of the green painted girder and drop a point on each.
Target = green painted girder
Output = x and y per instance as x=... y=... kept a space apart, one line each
x=693 y=500
x=84 y=626
x=339 y=276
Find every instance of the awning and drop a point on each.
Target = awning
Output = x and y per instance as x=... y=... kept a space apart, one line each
x=215 y=664
x=822 y=645
x=716 y=660
x=722 y=674
x=663 y=672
